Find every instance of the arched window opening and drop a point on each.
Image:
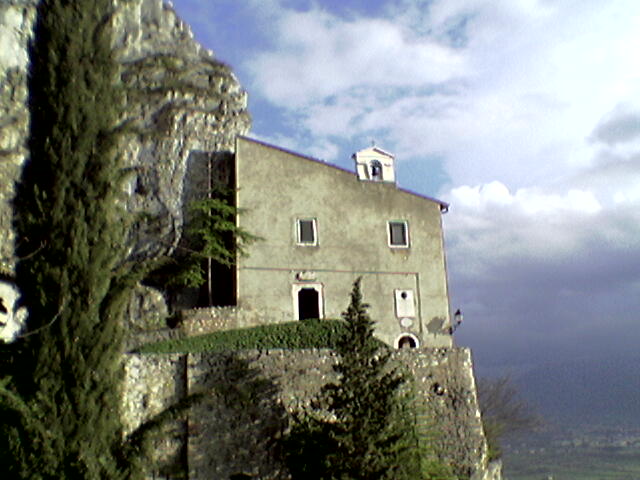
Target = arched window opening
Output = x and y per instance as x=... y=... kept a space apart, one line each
x=376 y=170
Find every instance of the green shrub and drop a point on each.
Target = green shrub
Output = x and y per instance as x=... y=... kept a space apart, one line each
x=289 y=335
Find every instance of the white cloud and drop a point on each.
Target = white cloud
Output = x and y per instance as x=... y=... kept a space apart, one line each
x=320 y=56
x=508 y=89
x=525 y=200
x=547 y=270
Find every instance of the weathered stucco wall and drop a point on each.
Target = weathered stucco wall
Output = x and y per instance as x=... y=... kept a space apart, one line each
x=352 y=228
x=251 y=393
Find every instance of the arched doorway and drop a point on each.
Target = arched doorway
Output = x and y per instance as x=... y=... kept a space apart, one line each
x=407 y=340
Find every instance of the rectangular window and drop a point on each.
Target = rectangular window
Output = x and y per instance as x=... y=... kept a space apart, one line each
x=307 y=231
x=398 y=234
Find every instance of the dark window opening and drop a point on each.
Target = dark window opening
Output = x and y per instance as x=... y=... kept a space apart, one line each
x=308 y=304
x=223 y=288
x=306 y=232
x=407 y=342
x=376 y=170
x=398 y=234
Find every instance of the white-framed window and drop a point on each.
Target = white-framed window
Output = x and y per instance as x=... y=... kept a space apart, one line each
x=307 y=231
x=398 y=234
x=307 y=301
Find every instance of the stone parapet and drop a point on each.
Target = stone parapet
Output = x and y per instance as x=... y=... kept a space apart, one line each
x=198 y=321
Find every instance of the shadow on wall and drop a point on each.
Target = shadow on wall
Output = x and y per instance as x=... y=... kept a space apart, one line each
x=208 y=174
x=244 y=419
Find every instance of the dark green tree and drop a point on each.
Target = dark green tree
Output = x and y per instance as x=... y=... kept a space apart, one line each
x=214 y=238
x=60 y=407
x=211 y=245
x=363 y=426
x=365 y=438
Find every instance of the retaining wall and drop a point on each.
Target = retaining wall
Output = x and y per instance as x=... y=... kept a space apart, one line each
x=251 y=394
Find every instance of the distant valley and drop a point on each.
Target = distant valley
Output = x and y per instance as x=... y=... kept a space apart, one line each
x=604 y=392
x=591 y=410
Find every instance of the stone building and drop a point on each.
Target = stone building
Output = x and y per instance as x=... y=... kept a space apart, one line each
x=321 y=227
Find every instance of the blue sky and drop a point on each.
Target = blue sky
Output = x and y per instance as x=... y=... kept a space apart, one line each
x=523 y=114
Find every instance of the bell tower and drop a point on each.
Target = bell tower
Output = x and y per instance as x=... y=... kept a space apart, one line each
x=375 y=165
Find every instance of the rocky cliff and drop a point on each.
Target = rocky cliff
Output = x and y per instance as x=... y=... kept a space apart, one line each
x=180 y=100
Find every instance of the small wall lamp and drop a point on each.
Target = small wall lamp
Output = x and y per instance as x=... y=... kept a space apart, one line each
x=457 y=321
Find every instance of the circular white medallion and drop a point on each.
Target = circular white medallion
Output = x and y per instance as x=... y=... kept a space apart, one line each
x=406 y=322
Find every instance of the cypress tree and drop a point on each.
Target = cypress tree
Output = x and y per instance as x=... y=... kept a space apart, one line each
x=366 y=438
x=362 y=427
x=66 y=372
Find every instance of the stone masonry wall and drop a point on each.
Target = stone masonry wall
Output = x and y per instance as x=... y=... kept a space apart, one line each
x=250 y=395
x=198 y=321
x=154 y=382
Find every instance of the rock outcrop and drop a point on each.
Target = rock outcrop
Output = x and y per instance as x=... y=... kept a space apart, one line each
x=16 y=20
x=180 y=100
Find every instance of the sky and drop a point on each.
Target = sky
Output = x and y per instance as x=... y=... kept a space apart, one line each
x=524 y=115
